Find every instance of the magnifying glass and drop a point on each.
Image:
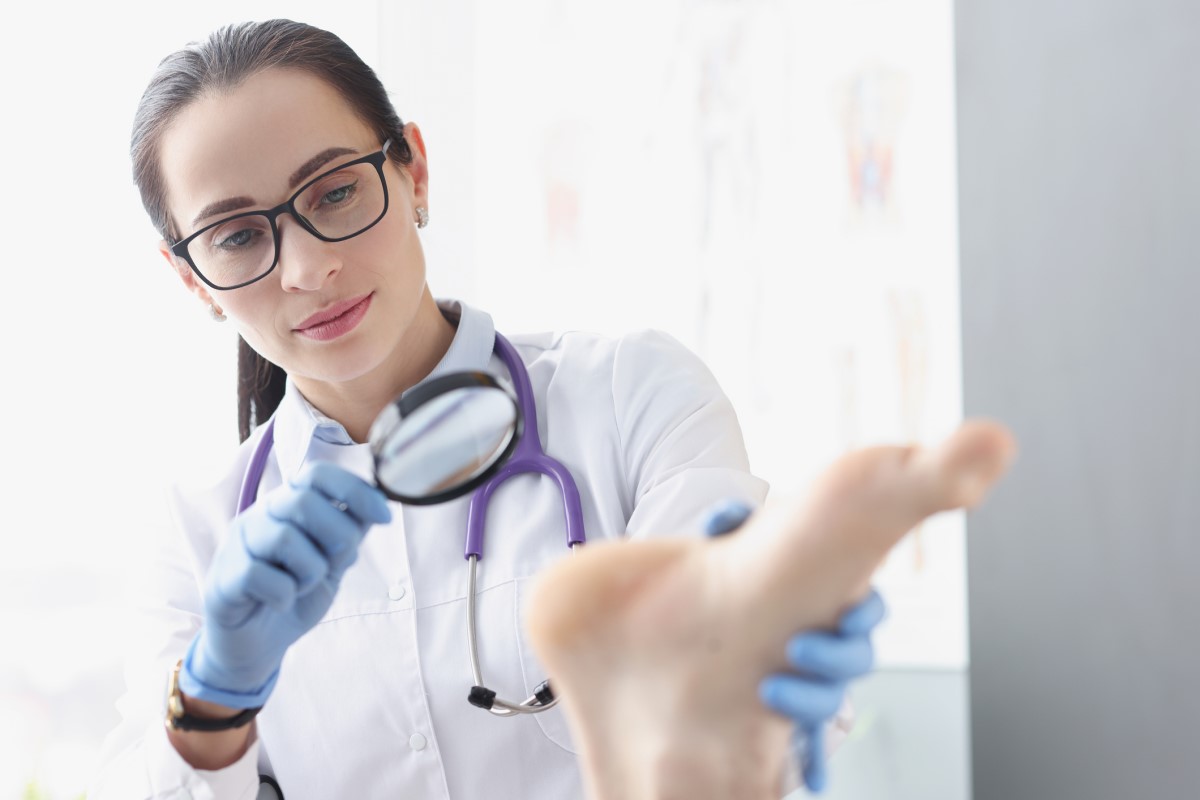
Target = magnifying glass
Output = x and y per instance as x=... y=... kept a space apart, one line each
x=444 y=438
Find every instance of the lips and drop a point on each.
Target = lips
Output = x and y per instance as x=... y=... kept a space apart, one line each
x=336 y=320
x=331 y=313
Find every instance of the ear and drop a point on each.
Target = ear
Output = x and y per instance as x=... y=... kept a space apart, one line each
x=418 y=170
x=184 y=271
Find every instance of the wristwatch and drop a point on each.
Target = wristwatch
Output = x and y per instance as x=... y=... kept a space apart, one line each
x=179 y=720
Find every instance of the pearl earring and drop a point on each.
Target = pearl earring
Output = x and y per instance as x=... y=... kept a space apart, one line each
x=215 y=313
x=422 y=217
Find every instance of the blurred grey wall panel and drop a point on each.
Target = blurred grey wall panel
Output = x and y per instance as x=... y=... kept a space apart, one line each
x=1079 y=192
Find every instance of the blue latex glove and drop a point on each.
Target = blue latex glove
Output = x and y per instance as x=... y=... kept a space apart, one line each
x=273 y=578
x=824 y=662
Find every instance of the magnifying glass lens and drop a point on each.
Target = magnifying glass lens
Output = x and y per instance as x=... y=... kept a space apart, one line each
x=443 y=446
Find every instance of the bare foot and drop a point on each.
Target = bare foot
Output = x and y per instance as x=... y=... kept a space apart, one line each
x=657 y=647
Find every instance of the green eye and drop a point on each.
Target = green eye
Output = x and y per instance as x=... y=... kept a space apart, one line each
x=238 y=239
x=339 y=195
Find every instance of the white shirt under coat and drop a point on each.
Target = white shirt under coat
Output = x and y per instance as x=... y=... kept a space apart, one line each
x=372 y=702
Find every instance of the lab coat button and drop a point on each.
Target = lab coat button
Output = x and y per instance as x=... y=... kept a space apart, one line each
x=416 y=741
x=396 y=591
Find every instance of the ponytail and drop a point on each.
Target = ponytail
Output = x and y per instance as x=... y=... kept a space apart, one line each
x=260 y=388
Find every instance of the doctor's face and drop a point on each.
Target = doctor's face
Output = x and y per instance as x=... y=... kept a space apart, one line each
x=329 y=311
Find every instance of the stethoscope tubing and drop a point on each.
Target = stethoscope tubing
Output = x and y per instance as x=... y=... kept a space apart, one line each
x=527 y=457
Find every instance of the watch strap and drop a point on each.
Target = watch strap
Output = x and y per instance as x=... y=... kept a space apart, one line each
x=179 y=720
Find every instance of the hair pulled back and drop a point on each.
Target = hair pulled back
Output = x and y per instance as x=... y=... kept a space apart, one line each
x=223 y=61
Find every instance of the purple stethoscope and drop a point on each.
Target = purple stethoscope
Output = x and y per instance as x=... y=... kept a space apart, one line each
x=433 y=404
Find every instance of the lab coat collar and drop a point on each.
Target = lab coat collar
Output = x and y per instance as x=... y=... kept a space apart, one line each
x=474 y=340
x=298 y=424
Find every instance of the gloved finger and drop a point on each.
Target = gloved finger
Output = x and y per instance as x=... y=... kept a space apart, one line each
x=310 y=607
x=862 y=618
x=270 y=585
x=283 y=545
x=814 y=769
x=348 y=491
x=335 y=533
x=831 y=656
x=237 y=590
x=807 y=701
x=726 y=517
x=338 y=569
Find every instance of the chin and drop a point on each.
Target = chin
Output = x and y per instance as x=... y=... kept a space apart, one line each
x=337 y=365
x=344 y=371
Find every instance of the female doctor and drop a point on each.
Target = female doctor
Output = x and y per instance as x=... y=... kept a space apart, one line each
x=297 y=646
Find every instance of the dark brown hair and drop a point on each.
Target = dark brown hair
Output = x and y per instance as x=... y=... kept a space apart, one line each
x=222 y=62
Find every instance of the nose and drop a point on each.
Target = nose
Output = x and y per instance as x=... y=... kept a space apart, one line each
x=305 y=262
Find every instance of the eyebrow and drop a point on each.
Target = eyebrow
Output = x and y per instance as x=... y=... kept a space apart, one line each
x=305 y=170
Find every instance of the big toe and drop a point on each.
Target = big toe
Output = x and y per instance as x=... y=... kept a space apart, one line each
x=868 y=499
x=959 y=472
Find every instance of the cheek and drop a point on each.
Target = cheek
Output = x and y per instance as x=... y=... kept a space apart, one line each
x=256 y=316
x=395 y=256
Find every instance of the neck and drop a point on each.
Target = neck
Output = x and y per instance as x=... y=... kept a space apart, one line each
x=356 y=403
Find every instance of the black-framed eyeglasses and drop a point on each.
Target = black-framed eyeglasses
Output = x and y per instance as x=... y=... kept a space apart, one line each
x=334 y=206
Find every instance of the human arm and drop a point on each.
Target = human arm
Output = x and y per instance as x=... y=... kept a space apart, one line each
x=680 y=437
x=163 y=598
x=142 y=758
x=273 y=578
x=684 y=449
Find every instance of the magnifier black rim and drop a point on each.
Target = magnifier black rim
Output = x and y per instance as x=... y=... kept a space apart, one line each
x=267 y=780
x=419 y=396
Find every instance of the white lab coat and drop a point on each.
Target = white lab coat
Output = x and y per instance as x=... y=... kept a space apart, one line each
x=371 y=703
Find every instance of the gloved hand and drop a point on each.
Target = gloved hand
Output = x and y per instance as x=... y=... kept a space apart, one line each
x=824 y=663
x=273 y=578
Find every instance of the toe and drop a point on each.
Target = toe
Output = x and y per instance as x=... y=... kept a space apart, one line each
x=969 y=462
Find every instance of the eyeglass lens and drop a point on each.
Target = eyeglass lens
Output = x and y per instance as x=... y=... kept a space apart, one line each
x=338 y=206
